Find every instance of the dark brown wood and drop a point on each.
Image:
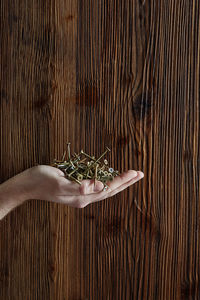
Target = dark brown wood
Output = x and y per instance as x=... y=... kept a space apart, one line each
x=122 y=74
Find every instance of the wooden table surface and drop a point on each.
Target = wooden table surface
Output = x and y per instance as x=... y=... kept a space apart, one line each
x=116 y=73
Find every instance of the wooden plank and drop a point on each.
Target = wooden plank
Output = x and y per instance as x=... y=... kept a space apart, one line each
x=27 y=53
x=122 y=74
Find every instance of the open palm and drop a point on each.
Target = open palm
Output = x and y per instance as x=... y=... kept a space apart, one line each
x=49 y=183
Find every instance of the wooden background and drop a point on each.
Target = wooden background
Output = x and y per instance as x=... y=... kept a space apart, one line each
x=117 y=73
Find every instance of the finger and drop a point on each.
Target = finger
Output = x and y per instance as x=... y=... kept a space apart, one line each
x=90 y=187
x=121 y=179
x=112 y=192
x=114 y=187
x=125 y=185
x=87 y=187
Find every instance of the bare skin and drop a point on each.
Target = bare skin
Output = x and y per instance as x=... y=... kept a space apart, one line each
x=48 y=183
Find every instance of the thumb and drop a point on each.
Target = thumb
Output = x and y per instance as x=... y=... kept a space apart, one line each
x=98 y=186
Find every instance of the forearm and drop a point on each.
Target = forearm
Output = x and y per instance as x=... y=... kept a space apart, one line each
x=12 y=194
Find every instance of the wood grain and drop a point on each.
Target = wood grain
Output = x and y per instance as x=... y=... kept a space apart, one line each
x=122 y=74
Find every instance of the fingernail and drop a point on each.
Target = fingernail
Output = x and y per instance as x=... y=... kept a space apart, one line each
x=141 y=174
x=132 y=173
x=135 y=174
x=98 y=186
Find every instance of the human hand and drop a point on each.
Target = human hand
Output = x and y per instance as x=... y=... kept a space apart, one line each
x=48 y=183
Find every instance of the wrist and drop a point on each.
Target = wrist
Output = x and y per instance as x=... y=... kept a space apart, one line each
x=13 y=193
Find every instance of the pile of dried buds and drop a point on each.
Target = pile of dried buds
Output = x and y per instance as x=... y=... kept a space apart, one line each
x=83 y=166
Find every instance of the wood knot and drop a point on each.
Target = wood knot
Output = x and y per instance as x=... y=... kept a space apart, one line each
x=88 y=95
x=141 y=105
x=128 y=78
x=187 y=155
x=109 y=232
x=123 y=140
x=189 y=289
x=69 y=18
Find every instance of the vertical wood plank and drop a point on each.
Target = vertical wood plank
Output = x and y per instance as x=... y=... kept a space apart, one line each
x=123 y=74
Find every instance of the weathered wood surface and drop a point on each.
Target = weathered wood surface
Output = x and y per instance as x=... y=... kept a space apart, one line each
x=123 y=74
